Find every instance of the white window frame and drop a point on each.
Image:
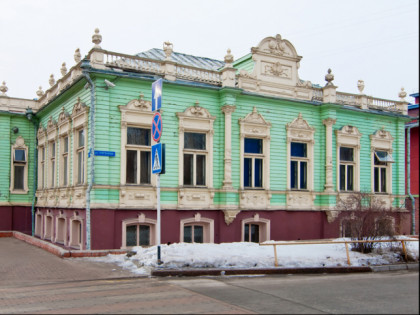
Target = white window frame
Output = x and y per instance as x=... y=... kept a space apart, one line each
x=64 y=132
x=254 y=125
x=299 y=160
x=264 y=227
x=195 y=153
x=74 y=240
x=51 y=143
x=19 y=145
x=139 y=149
x=80 y=122
x=381 y=140
x=206 y=223
x=137 y=114
x=196 y=119
x=349 y=137
x=42 y=154
x=140 y=220
x=253 y=157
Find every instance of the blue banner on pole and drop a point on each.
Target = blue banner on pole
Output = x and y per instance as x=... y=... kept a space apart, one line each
x=156 y=95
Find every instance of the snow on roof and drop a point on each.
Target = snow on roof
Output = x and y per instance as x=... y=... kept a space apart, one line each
x=184 y=59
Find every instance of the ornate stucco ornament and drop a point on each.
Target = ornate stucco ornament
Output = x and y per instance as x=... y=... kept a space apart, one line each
x=361 y=86
x=277 y=46
x=40 y=92
x=277 y=69
x=51 y=81
x=229 y=58
x=63 y=69
x=329 y=77
x=402 y=95
x=97 y=39
x=77 y=55
x=3 y=89
x=168 y=48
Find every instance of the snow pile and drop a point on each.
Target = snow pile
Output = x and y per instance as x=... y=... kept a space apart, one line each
x=253 y=255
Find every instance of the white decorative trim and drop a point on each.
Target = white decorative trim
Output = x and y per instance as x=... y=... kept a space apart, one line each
x=264 y=230
x=74 y=240
x=48 y=226
x=140 y=220
x=136 y=113
x=299 y=130
x=196 y=119
x=349 y=136
x=381 y=140
x=61 y=229
x=208 y=227
x=19 y=145
x=80 y=120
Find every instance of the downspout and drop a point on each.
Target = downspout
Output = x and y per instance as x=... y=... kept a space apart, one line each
x=91 y=150
x=413 y=203
x=31 y=117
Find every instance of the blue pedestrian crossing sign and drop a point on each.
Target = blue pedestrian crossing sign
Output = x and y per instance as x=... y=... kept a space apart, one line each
x=157 y=158
x=156 y=95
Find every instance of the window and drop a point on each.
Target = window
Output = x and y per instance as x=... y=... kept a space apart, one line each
x=52 y=163
x=381 y=162
x=194 y=159
x=197 y=230
x=193 y=234
x=138 y=154
x=253 y=163
x=137 y=235
x=252 y=233
x=80 y=154
x=80 y=123
x=255 y=229
x=64 y=160
x=348 y=158
x=19 y=167
x=42 y=166
x=381 y=148
x=298 y=166
x=138 y=231
x=346 y=169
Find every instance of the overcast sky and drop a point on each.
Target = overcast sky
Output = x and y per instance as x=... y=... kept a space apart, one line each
x=373 y=40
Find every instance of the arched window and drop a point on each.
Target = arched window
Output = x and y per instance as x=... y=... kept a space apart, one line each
x=255 y=229
x=197 y=230
x=140 y=231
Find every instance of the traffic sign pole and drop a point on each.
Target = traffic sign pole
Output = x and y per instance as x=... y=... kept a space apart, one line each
x=159 y=261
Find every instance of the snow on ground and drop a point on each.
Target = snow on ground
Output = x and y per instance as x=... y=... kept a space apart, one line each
x=252 y=255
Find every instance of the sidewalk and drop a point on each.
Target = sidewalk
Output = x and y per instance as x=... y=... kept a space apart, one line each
x=11 y=242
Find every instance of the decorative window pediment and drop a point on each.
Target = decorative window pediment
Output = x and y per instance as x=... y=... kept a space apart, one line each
x=137 y=111
x=63 y=122
x=196 y=118
x=255 y=125
x=79 y=114
x=41 y=135
x=381 y=139
x=300 y=130
x=51 y=129
x=348 y=135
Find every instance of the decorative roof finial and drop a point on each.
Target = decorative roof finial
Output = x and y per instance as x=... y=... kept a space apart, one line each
x=168 y=48
x=361 y=86
x=402 y=95
x=63 y=69
x=228 y=58
x=3 y=89
x=329 y=78
x=40 y=92
x=97 y=39
x=51 y=81
x=77 y=55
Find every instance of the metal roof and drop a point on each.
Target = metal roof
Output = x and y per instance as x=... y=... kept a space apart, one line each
x=184 y=59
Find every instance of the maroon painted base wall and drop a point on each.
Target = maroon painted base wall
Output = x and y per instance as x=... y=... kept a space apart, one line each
x=16 y=218
x=106 y=225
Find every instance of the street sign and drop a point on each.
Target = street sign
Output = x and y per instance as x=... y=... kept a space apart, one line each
x=157 y=158
x=156 y=95
x=104 y=153
x=157 y=127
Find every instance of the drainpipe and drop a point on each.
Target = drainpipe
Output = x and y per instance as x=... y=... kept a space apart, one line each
x=413 y=203
x=91 y=151
x=31 y=117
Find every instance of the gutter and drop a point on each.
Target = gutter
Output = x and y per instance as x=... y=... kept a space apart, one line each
x=32 y=118
x=413 y=202
x=91 y=146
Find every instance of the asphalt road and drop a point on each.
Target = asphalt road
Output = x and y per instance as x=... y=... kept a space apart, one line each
x=35 y=281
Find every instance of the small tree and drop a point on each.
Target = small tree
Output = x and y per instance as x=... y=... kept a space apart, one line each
x=367 y=219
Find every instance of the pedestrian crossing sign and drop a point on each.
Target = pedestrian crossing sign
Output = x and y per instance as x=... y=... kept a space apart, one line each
x=157 y=161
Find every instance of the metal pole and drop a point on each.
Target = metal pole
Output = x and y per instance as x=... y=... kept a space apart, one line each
x=159 y=261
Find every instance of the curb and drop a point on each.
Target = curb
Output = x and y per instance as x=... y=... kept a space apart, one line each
x=231 y=272
x=57 y=250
